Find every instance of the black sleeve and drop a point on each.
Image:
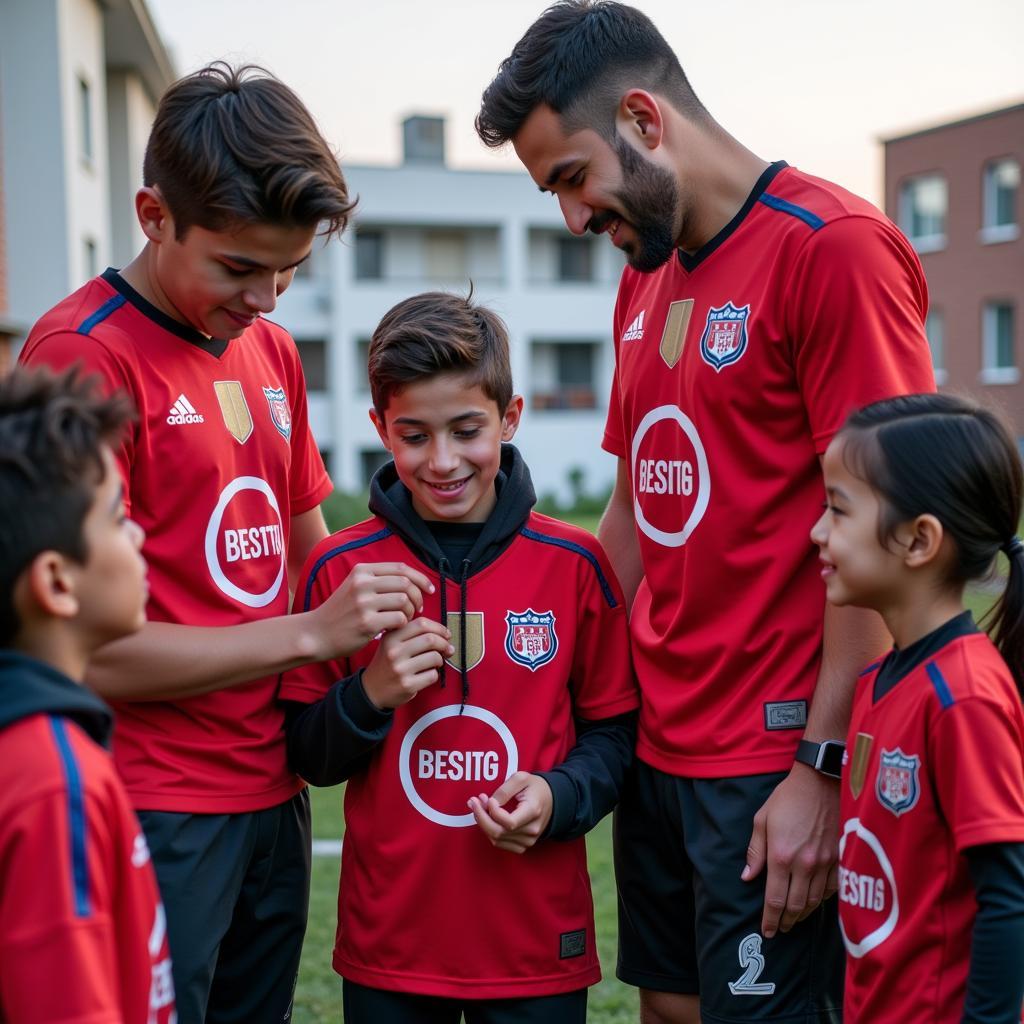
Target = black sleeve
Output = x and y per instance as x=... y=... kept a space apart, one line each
x=995 y=983
x=333 y=739
x=586 y=785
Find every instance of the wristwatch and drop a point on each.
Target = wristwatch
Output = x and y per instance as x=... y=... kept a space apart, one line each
x=826 y=757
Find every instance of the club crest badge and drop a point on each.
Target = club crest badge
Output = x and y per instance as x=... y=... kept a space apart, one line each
x=531 y=639
x=279 y=411
x=897 y=785
x=725 y=335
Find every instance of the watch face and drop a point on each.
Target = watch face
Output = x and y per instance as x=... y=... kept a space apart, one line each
x=832 y=757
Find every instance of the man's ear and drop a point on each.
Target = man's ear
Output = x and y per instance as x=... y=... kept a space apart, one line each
x=922 y=540
x=640 y=119
x=48 y=586
x=511 y=418
x=382 y=428
x=154 y=217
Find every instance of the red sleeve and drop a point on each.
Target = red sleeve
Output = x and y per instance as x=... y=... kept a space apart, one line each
x=309 y=483
x=63 y=349
x=602 y=679
x=308 y=683
x=58 y=955
x=978 y=755
x=859 y=300
x=614 y=440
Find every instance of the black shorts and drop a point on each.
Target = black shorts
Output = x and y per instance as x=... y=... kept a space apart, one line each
x=236 y=891
x=689 y=924
x=363 y=1005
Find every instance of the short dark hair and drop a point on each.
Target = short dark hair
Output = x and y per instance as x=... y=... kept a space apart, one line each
x=52 y=430
x=952 y=458
x=235 y=146
x=578 y=58
x=434 y=333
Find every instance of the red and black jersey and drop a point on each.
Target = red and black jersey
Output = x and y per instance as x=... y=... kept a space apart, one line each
x=82 y=930
x=426 y=904
x=734 y=367
x=220 y=460
x=934 y=766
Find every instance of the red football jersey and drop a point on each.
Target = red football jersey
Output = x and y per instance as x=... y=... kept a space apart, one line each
x=426 y=904
x=734 y=367
x=219 y=462
x=934 y=767
x=82 y=932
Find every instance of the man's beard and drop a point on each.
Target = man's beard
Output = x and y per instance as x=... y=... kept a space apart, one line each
x=649 y=200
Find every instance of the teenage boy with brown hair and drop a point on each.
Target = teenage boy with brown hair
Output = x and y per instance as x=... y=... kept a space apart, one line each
x=82 y=934
x=223 y=474
x=500 y=723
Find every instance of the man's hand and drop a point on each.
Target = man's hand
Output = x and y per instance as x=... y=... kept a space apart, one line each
x=796 y=833
x=518 y=830
x=373 y=598
x=407 y=660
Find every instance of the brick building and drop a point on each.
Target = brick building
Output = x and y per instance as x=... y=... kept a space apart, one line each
x=955 y=190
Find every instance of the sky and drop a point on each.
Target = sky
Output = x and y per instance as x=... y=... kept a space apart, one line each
x=813 y=82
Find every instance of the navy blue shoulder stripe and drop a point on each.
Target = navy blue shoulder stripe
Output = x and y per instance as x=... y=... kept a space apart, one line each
x=940 y=684
x=340 y=550
x=872 y=667
x=76 y=818
x=812 y=220
x=101 y=314
x=560 y=542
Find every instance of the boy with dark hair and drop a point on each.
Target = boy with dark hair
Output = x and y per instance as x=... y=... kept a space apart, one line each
x=82 y=934
x=759 y=306
x=513 y=712
x=223 y=473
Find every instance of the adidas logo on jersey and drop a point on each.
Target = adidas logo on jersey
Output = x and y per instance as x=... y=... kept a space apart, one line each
x=635 y=331
x=183 y=412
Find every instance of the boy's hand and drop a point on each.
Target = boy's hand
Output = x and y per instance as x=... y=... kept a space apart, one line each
x=407 y=660
x=375 y=597
x=519 y=829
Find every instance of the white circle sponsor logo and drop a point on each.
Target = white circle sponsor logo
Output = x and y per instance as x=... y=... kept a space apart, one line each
x=447 y=757
x=671 y=482
x=245 y=537
x=869 y=907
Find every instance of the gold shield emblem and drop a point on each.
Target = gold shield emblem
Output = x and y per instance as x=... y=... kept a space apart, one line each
x=859 y=762
x=674 y=336
x=474 y=639
x=234 y=409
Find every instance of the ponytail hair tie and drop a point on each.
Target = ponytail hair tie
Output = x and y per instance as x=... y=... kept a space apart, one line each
x=1013 y=547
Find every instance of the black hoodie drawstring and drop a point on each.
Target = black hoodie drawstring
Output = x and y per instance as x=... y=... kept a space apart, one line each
x=464 y=592
x=443 y=569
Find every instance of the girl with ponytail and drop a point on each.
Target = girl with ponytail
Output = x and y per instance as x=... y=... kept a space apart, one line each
x=923 y=493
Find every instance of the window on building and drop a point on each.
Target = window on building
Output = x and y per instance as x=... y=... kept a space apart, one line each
x=362 y=358
x=369 y=255
x=370 y=460
x=999 y=201
x=90 y=258
x=444 y=255
x=999 y=359
x=85 y=128
x=313 y=356
x=923 y=204
x=575 y=259
x=935 y=329
x=563 y=374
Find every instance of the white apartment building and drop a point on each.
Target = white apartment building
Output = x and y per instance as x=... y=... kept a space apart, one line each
x=79 y=83
x=422 y=226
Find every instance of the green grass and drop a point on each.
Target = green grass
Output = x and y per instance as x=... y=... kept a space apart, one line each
x=318 y=995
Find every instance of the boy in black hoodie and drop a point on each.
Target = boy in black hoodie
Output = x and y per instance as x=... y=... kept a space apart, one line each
x=82 y=932
x=499 y=722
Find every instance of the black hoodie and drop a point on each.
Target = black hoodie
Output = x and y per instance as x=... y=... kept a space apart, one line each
x=333 y=739
x=31 y=687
